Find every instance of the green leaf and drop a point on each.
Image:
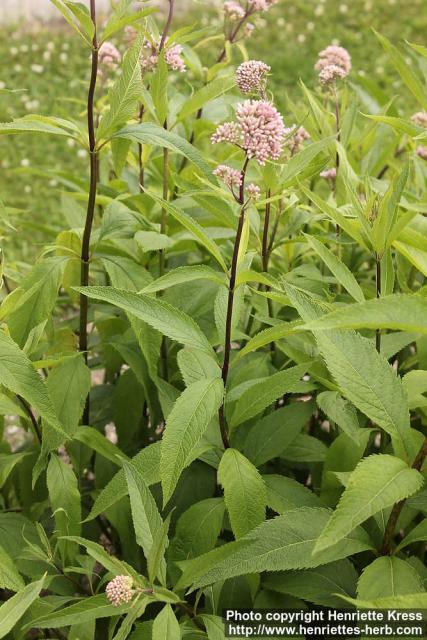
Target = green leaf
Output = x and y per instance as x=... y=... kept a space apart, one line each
x=9 y=574
x=363 y=375
x=154 y=134
x=111 y=563
x=286 y=494
x=184 y=274
x=318 y=585
x=165 y=625
x=158 y=550
x=185 y=426
x=124 y=94
x=417 y=534
x=338 y=268
x=137 y=611
x=38 y=124
x=147 y=462
x=146 y=518
x=17 y=374
x=384 y=223
x=408 y=76
x=152 y=241
x=14 y=608
x=90 y=608
x=191 y=225
x=198 y=528
x=272 y=334
x=119 y=18
x=8 y=461
x=94 y=439
x=208 y=92
x=283 y=543
x=244 y=492
x=410 y=601
x=341 y=412
x=388 y=576
x=266 y=391
x=378 y=482
x=270 y=437
x=295 y=167
x=33 y=301
x=159 y=89
x=407 y=312
x=167 y=319
x=68 y=385
x=64 y=499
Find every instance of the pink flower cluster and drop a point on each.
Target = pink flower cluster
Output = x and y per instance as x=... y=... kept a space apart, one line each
x=251 y=76
x=172 y=57
x=233 y=11
x=259 y=130
x=420 y=118
x=422 y=152
x=231 y=177
x=254 y=192
x=261 y=5
x=295 y=137
x=109 y=55
x=119 y=590
x=329 y=174
x=334 y=63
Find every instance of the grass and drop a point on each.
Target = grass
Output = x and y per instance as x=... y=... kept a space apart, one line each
x=53 y=69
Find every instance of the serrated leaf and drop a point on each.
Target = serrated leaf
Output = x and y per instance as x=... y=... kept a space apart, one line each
x=185 y=426
x=160 y=315
x=154 y=134
x=146 y=461
x=283 y=543
x=184 y=274
x=64 y=499
x=341 y=412
x=10 y=577
x=265 y=392
x=146 y=518
x=338 y=268
x=371 y=385
x=17 y=374
x=244 y=492
x=409 y=601
x=166 y=626
x=286 y=494
x=191 y=225
x=111 y=563
x=378 y=482
x=38 y=124
x=88 y=609
x=198 y=529
x=388 y=576
x=417 y=534
x=209 y=92
x=159 y=89
x=195 y=365
x=124 y=94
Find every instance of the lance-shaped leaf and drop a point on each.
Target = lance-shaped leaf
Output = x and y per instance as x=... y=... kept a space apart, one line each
x=125 y=92
x=155 y=135
x=161 y=315
x=64 y=499
x=280 y=544
x=184 y=274
x=9 y=574
x=388 y=577
x=209 y=92
x=193 y=226
x=396 y=311
x=377 y=483
x=39 y=124
x=14 y=608
x=338 y=268
x=90 y=608
x=185 y=426
x=166 y=626
x=147 y=521
x=17 y=374
x=363 y=375
x=265 y=392
x=408 y=601
x=244 y=492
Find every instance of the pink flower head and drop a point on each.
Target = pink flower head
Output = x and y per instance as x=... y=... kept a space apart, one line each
x=420 y=118
x=331 y=74
x=233 y=10
x=261 y=5
x=173 y=58
x=421 y=151
x=119 y=590
x=109 y=55
x=262 y=129
x=231 y=177
x=334 y=55
x=294 y=138
x=248 y=30
x=254 y=192
x=251 y=76
x=227 y=132
x=130 y=34
x=329 y=174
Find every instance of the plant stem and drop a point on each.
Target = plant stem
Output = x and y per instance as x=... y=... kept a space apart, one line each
x=85 y=256
x=378 y=294
x=167 y=25
x=397 y=509
x=32 y=418
x=164 y=214
x=140 y=165
x=229 y=317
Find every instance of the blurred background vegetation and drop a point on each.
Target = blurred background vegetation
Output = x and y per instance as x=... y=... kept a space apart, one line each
x=51 y=68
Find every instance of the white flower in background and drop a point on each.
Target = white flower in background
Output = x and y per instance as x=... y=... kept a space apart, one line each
x=2 y=85
x=17 y=68
x=63 y=57
x=23 y=48
x=301 y=38
x=27 y=188
x=46 y=56
x=71 y=142
x=81 y=153
x=37 y=68
x=25 y=162
x=13 y=51
x=50 y=46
